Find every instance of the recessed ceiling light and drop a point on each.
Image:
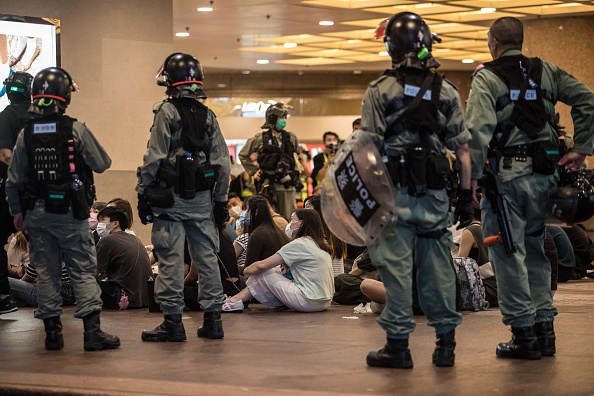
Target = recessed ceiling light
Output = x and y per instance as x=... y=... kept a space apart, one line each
x=468 y=60
x=221 y=85
x=486 y=10
x=182 y=34
x=357 y=72
x=290 y=45
x=383 y=53
x=246 y=72
x=326 y=23
x=204 y=9
x=262 y=61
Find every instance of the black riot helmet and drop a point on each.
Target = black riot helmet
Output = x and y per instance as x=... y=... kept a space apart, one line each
x=573 y=202
x=273 y=112
x=180 y=69
x=407 y=35
x=53 y=83
x=18 y=87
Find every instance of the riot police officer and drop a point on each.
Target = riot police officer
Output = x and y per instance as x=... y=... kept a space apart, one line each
x=186 y=168
x=12 y=119
x=413 y=114
x=50 y=190
x=511 y=102
x=277 y=170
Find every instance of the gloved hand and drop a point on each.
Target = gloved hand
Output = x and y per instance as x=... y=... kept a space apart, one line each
x=464 y=211
x=221 y=213
x=144 y=210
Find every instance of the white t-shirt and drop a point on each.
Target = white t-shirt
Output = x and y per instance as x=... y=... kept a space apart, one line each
x=311 y=268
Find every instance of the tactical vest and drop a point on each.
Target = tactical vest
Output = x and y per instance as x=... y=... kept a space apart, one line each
x=522 y=76
x=52 y=153
x=420 y=118
x=193 y=116
x=271 y=156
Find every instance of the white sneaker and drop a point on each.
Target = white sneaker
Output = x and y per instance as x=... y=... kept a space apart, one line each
x=230 y=306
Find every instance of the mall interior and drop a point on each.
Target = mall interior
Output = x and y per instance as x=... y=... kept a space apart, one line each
x=257 y=52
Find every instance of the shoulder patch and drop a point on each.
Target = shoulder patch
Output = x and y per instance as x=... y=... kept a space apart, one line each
x=377 y=81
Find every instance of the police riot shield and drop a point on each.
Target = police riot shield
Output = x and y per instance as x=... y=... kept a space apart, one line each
x=357 y=192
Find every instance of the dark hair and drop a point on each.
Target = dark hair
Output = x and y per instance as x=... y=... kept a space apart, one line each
x=330 y=133
x=337 y=247
x=356 y=122
x=126 y=207
x=312 y=227
x=232 y=195
x=509 y=32
x=260 y=217
x=98 y=205
x=115 y=214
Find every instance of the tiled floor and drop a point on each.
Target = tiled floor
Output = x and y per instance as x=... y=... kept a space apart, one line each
x=267 y=352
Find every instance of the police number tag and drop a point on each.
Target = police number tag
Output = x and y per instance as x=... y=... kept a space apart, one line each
x=359 y=201
x=45 y=128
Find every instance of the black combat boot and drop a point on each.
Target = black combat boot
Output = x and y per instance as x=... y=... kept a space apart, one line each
x=212 y=326
x=395 y=354
x=443 y=355
x=95 y=339
x=54 y=339
x=545 y=335
x=523 y=345
x=171 y=330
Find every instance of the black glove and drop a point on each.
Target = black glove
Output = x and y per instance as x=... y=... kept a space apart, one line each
x=221 y=213
x=464 y=211
x=144 y=210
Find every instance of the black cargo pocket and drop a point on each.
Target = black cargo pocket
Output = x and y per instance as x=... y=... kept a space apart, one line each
x=545 y=158
x=159 y=197
x=205 y=177
x=58 y=199
x=438 y=172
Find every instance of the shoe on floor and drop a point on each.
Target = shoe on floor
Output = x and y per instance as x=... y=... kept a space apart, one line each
x=7 y=305
x=230 y=306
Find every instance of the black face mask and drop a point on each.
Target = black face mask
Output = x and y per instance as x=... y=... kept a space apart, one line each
x=332 y=148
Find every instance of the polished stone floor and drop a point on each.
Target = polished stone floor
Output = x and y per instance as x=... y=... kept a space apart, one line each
x=267 y=352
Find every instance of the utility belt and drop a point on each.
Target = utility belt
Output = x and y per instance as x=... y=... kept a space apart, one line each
x=287 y=179
x=420 y=170
x=187 y=178
x=545 y=156
x=59 y=198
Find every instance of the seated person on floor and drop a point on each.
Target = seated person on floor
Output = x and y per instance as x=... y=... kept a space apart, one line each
x=265 y=239
x=97 y=207
x=304 y=281
x=583 y=250
x=338 y=248
x=123 y=260
x=25 y=289
x=127 y=208
x=347 y=287
x=18 y=254
x=240 y=243
x=234 y=205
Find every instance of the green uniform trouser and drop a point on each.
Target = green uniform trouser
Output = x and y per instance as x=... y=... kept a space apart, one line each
x=286 y=201
x=524 y=278
x=392 y=254
x=192 y=220
x=50 y=237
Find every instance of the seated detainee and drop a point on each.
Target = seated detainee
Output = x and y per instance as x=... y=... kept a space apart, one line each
x=347 y=287
x=127 y=208
x=583 y=250
x=123 y=260
x=18 y=254
x=265 y=239
x=25 y=289
x=304 y=281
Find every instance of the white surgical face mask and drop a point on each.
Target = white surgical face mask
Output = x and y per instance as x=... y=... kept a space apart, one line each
x=102 y=230
x=234 y=212
x=292 y=231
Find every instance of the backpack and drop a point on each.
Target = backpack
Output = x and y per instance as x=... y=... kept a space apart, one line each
x=473 y=290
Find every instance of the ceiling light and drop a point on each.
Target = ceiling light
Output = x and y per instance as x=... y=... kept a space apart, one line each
x=221 y=85
x=204 y=9
x=486 y=10
x=468 y=60
x=246 y=72
x=383 y=53
x=357 y=72
x=326 y=23
x=183 y=34
x=262 y=61
x=290 y=45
